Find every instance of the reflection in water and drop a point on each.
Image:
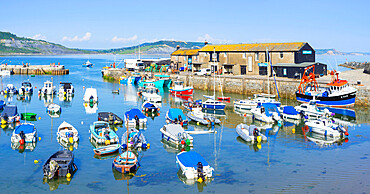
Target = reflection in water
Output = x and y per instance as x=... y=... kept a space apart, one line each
x=48 y=99
x=323 y=141
x=67 y=145
x=65 y=101
x=252 y=146
x=186 y=181
x=55 y=182
x=26 y=147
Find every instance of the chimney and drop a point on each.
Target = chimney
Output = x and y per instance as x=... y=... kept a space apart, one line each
x=205 y=43
x=177 y=47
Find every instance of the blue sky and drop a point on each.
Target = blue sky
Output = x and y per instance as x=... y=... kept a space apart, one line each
x=95 y=24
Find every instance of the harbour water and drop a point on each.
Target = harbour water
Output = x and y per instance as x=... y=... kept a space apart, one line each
x=288 y=162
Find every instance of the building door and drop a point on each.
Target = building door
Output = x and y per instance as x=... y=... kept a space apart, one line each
x=262 y=70
x=250 y=67
x=214 y=68
x=243 y=70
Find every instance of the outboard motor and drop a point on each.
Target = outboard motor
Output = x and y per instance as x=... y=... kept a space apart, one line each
x=23 y=137
x=200 y=171
x=255 y=132
x=137 y=121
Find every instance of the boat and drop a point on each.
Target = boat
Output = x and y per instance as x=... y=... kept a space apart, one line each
x=67 y=133
x=175 y=115
x=53 y=110
x=106 y=150
x=87 y=64
x=26 y=88
x=175 y=134
x=289 y=112
x=179 y=89
x=326 y=127
x=266 y=112
x=193 y=106
x=135 y=78
x=311 y=110
x=126 y=162
x=200 y=117
x=101 y=133
x=2 y=104
x=223 y=98
x=66 y=89
x=48 y=88
x=338 y=93
x=5 y=73
x=157 y=83
x=124 y=80
x=28 y=116
x=136 y=140
x=150 y=107
x=91 y=95
x=110 y=117
x=194 y=166
x=60 y=164
x=67 y=145
x=90 y=108
x=135 y=117
x=213 y=104
x=250 y=133
x=10 y=114
x=10 y=89
x=150 y=93
x=24 y=133
x=166 y=78
x=25 y=147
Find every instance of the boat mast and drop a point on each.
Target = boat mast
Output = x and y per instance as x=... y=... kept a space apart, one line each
x=268 y=62
x=214 y=73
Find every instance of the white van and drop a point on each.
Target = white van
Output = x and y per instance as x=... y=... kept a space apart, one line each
x=206 y=71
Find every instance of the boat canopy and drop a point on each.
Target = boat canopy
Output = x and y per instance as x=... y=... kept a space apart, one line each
x=26 y=128
x=269 y=108
x=10 y=110
x=26 y=84
x=191 y=159
x=66 y=85
x=290 y=110
x=175 y=113
x=149 y=105
x=134 y=112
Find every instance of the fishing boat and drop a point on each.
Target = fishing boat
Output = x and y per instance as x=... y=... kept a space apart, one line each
x=179 y=89
x=101 y=133
x=106 y=150
x=248 y=104
x=26 y=88
x=10 y=89
x=150 y=93
x=60 y=164
x=250 y=133
x=311 y=110
x=338 y=93
x=135 y=118
x=126 y=162
x=166 y=78
x=10 y=114
x=150 y=107
x=175 y=134
x=91 y=95
x=67 y=133
x=66 y=89
x=289 y=112
x=200 y=117
x=2 y=104
x=124 y=79
x=110 y=117
x=24 y=133
x=194 y=166
x=48 y=88
x=87 y=64
x=326 y=127
x=266 y=112
x=175 y=115
x=136 y=140
x=28 y=116
x=193 y=106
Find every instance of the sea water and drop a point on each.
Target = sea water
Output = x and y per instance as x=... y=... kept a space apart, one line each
x=290 y=161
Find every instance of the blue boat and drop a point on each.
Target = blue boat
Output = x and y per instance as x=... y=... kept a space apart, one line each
x=149 y=107
x=166 y=78
x=126 y=162
x=157 y=83
x=135 y=117
x=105 y=150
x=87 y=64
x=194 y=166
x=102 y=133
x=175 y=115
x=213 y=104
x=10 y=114
x=289 y=112
x=26 y=132
x=2 y=104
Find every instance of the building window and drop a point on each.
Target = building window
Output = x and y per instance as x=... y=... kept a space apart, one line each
x=244 y=55
x=257 y=56
x=250 y=67
x=281 y=55
x=214 y=57
x=284 y=71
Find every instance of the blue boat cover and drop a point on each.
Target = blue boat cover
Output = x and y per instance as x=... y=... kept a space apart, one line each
x=135 y=112
x=26 y=128
x=191 y=159
x=270 y=108
x=175 y=113
x=149 y=105
x=10 y=110
x=290 y=110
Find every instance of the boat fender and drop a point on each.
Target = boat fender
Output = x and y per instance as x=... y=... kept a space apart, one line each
x=70 y=139
x=326 y=133
x=182 y=142
x=187 y=142
x=168 y=139
x=259 y=139
x=124 y=146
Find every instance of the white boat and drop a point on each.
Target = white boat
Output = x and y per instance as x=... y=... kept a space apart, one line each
x=150 y=93
x=175 y=134
x=91 y=108
x=289 y=112
x=67 y=133
x=250 y=133
x=199 y=116
x=48 y=88
x=213 y=104
x=53 y=110
x=26 y=88
x=266 y=112
x=194 y=166
x=91 y=95
x=66 y=89
x=5 y=73
x=248 y=104
x=25 y=132
x=311 y=110
x=327 y=128
x=10 y=89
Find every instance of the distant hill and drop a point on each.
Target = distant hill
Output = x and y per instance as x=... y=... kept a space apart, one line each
x=159 y=47
x=11 y=44
x=335 y=52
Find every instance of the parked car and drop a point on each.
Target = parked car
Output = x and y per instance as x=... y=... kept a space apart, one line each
x=206 y=71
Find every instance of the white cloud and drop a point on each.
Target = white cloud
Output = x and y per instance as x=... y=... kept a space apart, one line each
x=86 y=37
x=38 y=37
x=124 y=40
x=210 y=39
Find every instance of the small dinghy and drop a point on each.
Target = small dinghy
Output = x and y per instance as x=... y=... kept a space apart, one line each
x=175 y=134
x=101 y=133
x=150 y=107
x=87 y=64
x=105 y=150
x=91 y=95
x=60 y=164
x=194 y=166
x=110 y=117
x=175 y=115
x=10 y=114
x=67 y=133
x=289 y=112
x=53 y=110
x=266 y=112
x=135 y=118
x=66 y=89
x=200 y=117
x=327 y=127
x=10 y=89
x=26 y=88
x=250 y=133
x=24 y=133
x=126 y=162
x=136 y=139
x=28 y=116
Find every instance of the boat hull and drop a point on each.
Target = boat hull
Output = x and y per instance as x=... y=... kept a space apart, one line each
x=187 y=92
x=215 y=107
x=333 y=101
